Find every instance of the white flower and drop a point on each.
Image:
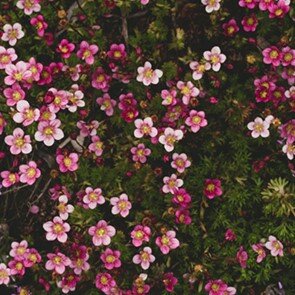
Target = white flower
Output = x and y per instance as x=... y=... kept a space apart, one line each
x=12 y=33
x=211 y=5
x=260 y=127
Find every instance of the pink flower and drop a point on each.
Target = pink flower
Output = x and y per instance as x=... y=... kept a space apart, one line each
x=188 y=90
x=127 y=101
x=9 y=178
x=171 y=184
x=144 y=2
x=111 y=258
x=56 y=229
x=196 y=120
x=16 y=267
x=279 y=9
x=215 y=287
x=29 y=173
x=25 y=115
x=65 y=48
x=242 y=257
x=144 y=128
x=7 y=56
x=59 y=100
x=93 y=197
x=48 y=132
x=68 y=162
x=183 y=216
x=4 y=274
x=230 y=28
x=211 y=5
x=140 y=234
x=31 y=257
x=18 y=249
x=169 y=281
x=169 y=138
x=68 y=283
x=64 y=208
x=288 y=56
x=230 y=291
x=140 y=153
x=258 y=248
x=87 y=52
x=14 y=94
x=230 y=235
x=180 y=162
x=17 y=73
x=265 y=4
x=19 y=142
x=250 y=23
x=212 y=188
x=259 y=128
x=96 y=146
x=100 y=80
x=117 y=52
x=215 y=57
x=75 y=97
x=88 y=129
x=144 y=258
x=29 y=6
x=106 y=104
x=12 y=33
x=101 y=233
x=121 y=205
x=181 y=198
x=169 y=97
x=199 y=69
x=248 y=3
x=167 y=242
x=289 y=150
x=275 y=246
x=57 y=262
x=40 y=24
x=272 y=55
x=105 y=282
x=147 y=75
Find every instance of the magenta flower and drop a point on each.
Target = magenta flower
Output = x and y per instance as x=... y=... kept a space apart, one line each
x=93 y=197
x=96 y=146
x=215 y=57
x=14 y=94
x=199 y=69
x=279 y=9
x=117 y=52
x=9 y=178
x=101 y=233
x=29 y=173
x=230 y=28
x=17 y=73
x=12 y=33
x=100 y=80
x=89 y=129
x=196 y=120
x=182 y=216
x=265 y=4
x=87 y=52
x=242 y=257
x=29 y=6
x=180 y=162
x=288 y=56
x=7 y=56
x=287 y=130
x=248 y=3
x=59 y=100
x=272 y=55
x=147 y=75
x=259 y=249
x=68 y=283
x=216 y=287
x=169 y=281
x=39 y=23
x=144 y=128
x=140 y=234
x=181 y=198
x=25 y=115
x=19 y=142
x=259 y=128
x=64 y=208
x=230 y=235
x=169 y=138
x=211 y=5
x=275 y=246
x=4 y=274
x=188 y=90
x=250 y=23
x=140 y=153
x=31 y=257
x=105 y=282
x=57 y=262
x=56 y=229
x=127 y=101
x=49 y=131
x=169 y=97
x=167 y=242
x=16 y=267
x=68 y=162
x=212 y=188
x=106 y=104
x=121 y=205
x=65 y=48
x=144 y=258
x=111 y=258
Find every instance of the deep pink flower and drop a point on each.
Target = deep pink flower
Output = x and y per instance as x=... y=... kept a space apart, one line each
x=17 y=73
x=230 y=28
x=57 y=262
x=7 y=56
x=183 y=216
x=56 y=229
x=147 y=75
x=170 y=137
x=129 y=115
x=117 y=52
x=278 y=9
x=65 y=48
x=169 y=281
x=265 y=4
x=259 y=249
x=199 y=69
x=169 y=97
x=106 y=104
x=49 y=131
x=9 y=178
x=144 y=128
x=96 y=146
x=16 y=267
x=250 y=22
x=188 y=90
x=275 y=246
x=181 y=198
x=140 y=234
x=242 y=257
x=29 y=6
x=104 y=282
x=68 y=162
x=144 y=258
x=230 y=235
x=14 y=94
x=140 y=153
x=212 y=188
x=87 y=52
x=167 y=242
x=215 y=57
x=288 y=56
x=12 y=33
x=171 y=184
x=287 y=130
x=196 y=120
x=100 y=80
x=19 y=142
x=101 y=233
x=4 y=274
x=29 y=173
x=39 y=23
x=68 y=283
x=31 y=257
x=111 y=258
x=93 y=197
x=25 y=115
x=127 y=101
x=121 y=205
x=248 y=3
x=272 y=55
x=216 y=287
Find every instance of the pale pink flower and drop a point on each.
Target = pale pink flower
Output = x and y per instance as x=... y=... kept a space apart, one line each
x=12 y=33
x=230 y=291
x=68 y=283
x=49 y=131
x=144 y=128
x=169 y=138
x=199 y=69
x=275 y=246
x=169 y=97
x=147 y=75
x=188 y=90
x=17 y=73
x=215 y=57
x=106 y=104
x=19 y=142
x=196 y=120
x=29 y=6
x=96 y=146
x=75 y=97
x=140 y=153
x=64 y=208
x=68 y=162
x=18 y=249
x=289 y=150
x=171 y=184
x=56 y=229
x=7 y=56
x=60 y=100
x=57 y=262
x=87 y=52
x=167 y=242
x=25 y=115
x=4 y=274
x=121 y=205
x=144 y=2
x=93 y=197
x=80 y=264
x=14 y=94
x=211 y=5
x=180 y=162
x=258 y=248
x=29 y=173
x=101 y=233
x=111 y=258
x=259 y=128
x=9 y=178
x=140 y=234
x=144 y=258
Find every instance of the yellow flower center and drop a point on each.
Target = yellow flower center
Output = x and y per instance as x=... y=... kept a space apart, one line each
x=100 y=232
x=48 y=131
x=139 y=234
x=12 y=177
x=31 y=172
x=273 y=54
x=165 y=240
x=210 y=187
x=19 y=142
x=67 y=161
x=110 y=258
x=57 y=260
x=100 y=78
x=58 y=228
x=117 y=54
x=18 y=76
x=148 y=73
